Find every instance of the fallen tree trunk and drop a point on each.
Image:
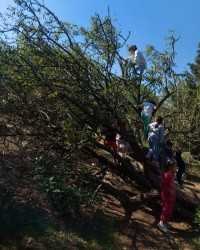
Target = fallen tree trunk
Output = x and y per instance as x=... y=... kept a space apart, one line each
x=132 y=169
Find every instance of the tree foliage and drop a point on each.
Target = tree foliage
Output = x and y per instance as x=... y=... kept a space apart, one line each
x=59 y=85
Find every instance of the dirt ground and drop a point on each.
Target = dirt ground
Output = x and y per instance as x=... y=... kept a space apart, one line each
x=141 y=231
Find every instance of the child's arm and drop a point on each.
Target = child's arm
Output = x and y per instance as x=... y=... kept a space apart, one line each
x=139 y=105
x=129 y=58
x=126 y=59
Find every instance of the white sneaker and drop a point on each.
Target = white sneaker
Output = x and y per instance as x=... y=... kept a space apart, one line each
x=163 y=228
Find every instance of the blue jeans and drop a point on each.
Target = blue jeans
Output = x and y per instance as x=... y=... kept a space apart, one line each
x=154 y=147
x=140 y=69
x=179 y=174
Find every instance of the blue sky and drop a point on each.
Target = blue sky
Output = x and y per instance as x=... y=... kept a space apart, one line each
x=148 y=21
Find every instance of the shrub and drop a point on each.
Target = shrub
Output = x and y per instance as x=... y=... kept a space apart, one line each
x=67 y=185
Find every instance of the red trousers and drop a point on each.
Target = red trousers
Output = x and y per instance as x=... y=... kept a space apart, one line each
x=167 y=209
x=113 y=145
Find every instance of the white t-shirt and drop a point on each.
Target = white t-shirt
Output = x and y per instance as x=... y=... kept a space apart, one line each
x=147 y=108
x=154 y=130
x=138 y=59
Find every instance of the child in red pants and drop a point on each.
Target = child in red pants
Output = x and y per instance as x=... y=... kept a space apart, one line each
x=110 y=133
x=168 y=195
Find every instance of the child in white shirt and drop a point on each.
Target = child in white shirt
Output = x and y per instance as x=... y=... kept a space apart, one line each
x=137 y=58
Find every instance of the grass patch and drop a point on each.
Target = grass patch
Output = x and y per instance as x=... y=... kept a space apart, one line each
x=26 y=227
x=192 y=167
x=98 y=232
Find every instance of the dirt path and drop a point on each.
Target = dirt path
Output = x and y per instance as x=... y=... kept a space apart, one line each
x=141 y=232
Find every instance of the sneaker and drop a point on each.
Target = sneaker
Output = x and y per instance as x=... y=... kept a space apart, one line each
x=163 y=228
x=168 y=225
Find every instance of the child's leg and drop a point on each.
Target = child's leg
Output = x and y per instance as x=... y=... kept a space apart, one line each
x=113 y=145
x=146 y=121
x=126 y=146
x=155 y=146
x=179 y=175
x=150 y=152
x=140 y=69
x=167 y=209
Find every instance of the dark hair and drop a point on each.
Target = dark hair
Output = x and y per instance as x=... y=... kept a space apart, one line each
x=178 y=153
x=169 y=143
x=159 y=119
x=132 y=47
x=153 y=102
x=169 y=163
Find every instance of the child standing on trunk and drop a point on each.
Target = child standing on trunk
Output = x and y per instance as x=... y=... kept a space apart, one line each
x=110 y=133
x=147 y=109
x=168 y=195
x=155 y=138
